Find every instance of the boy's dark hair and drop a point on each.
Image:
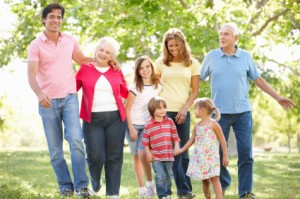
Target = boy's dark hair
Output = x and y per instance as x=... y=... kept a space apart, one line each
x=49 y=9
x=155 y=103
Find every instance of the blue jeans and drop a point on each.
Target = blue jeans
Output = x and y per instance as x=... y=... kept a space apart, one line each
x=180 y=166
x=163 y=177
x=65 y=111
x=135 y=145
x=242 y=127
x=104 y=140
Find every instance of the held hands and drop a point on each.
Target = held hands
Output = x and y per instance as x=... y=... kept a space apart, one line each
x=177 y=151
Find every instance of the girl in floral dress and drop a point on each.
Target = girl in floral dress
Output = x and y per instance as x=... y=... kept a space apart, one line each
x=207 y=135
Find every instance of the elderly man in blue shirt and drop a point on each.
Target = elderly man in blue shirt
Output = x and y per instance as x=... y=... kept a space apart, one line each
x=229 y=69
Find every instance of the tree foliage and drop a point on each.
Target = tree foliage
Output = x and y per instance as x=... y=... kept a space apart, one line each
x=139 y=26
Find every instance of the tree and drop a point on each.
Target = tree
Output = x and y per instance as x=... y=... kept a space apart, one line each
x=139 y=26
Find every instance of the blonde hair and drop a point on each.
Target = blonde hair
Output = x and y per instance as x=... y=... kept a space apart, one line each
x=208 y=104
x=178 y=36
x=109 y=40
x=138 y=78
x=154 y=103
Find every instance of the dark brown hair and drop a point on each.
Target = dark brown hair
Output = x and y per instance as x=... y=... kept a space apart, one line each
x=49 y=9
x=138 y=78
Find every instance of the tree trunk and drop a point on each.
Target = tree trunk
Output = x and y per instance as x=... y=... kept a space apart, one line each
x=298 y=142
x=289 y=143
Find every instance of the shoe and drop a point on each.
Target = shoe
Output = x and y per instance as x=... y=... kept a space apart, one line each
x=66 y=193
x=188 y=195
x=94 y=193
x=113 y=197
x=150 y=192
x=83 y=192
x=249 y=196
x=142 y=192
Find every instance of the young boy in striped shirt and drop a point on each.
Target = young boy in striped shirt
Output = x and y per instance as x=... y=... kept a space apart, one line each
x=159 y=137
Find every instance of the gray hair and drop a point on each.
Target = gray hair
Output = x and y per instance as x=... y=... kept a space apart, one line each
x=109 y=40
x=233 y=26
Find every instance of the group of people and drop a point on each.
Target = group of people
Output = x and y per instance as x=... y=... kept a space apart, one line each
x=156 y=117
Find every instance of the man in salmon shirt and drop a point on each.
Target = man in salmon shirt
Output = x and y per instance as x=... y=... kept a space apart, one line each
x=52 y=78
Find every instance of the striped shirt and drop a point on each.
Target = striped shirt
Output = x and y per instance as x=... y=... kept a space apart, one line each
x=160 y=136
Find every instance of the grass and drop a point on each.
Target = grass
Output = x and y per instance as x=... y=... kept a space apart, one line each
x=28 y=174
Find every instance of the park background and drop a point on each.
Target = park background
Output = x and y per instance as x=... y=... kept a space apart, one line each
x=270 y=31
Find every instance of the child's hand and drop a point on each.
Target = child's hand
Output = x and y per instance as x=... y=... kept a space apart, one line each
x=177 y=151
x=225 y=160
x=133 y=134
x=150 y=157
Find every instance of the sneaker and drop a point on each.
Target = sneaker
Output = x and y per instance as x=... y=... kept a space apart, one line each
x=84 y=192
x=142 y=192
x=150 y=192
x=188 y=195
x=249 y=196
x=113 y=197
x=66 y=193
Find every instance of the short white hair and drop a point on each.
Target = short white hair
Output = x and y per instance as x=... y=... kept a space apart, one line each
x=112 y=42
x=233 y=26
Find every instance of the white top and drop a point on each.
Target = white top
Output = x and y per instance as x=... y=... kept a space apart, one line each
x=104 y=99
x=139 y=109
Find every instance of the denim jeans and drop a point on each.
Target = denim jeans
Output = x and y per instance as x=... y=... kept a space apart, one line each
x=242 y=127
x=104 y=140
x=163 y=177
x=180 y=166
x=64 y=113
x=135 y=145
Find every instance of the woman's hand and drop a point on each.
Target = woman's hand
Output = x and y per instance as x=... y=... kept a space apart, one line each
x=181 y=116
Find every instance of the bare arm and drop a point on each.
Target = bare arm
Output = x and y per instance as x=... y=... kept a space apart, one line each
x=218 y=130
x=80 y=58
x=132 y=130
x=188 y=144
x=149 y=154
x=267 y=88
x=32 y=71
x=181 y=116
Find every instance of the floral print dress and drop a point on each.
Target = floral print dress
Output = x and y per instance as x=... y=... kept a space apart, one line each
x=205 y=159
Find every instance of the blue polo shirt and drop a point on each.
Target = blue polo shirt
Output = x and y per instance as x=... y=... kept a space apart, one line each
x=229 y=79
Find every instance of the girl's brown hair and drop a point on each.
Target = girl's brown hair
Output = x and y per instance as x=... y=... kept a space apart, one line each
x=178 y=36
x=138 y=78
x=155 y=103
x=208 y=104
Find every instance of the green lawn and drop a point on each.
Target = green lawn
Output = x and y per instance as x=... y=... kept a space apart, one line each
x=26 y=174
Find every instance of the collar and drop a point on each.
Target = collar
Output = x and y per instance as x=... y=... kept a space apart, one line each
x=154 y=121
x=44 y=38
x=236 y=54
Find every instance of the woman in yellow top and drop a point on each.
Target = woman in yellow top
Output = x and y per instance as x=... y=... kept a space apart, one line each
x=179 y=75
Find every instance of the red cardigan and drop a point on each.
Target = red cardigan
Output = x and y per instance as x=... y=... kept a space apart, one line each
x=87 y=77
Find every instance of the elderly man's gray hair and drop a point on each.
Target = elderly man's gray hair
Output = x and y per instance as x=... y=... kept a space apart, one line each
x=233 y=26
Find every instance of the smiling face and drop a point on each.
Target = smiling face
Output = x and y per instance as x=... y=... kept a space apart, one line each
x=174 y=48
x=160 y=111
x=145 y=70
x=53 y=21
x=226 y=37
x=104 y=54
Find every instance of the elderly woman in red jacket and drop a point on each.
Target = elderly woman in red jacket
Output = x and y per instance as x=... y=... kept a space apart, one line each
x=103 y=116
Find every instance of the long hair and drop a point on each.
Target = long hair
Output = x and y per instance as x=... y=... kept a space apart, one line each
x=208 y=104
x=178 y=36
x=138 y=78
